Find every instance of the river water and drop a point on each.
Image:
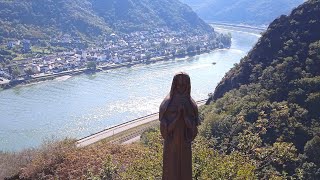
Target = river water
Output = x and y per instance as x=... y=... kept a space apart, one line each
x=84 y=104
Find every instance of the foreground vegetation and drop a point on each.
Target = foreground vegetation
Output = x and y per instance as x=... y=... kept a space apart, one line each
x=143 y=160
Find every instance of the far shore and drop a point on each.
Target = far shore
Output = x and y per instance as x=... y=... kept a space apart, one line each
x=41 y=78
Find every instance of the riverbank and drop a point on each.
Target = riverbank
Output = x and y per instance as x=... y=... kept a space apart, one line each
x=260 y=28
x=40 y=78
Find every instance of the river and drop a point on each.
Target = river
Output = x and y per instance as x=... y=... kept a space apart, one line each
x=84 y=104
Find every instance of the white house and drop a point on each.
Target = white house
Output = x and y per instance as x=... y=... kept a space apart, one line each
x=101 y=58
x=35 y=68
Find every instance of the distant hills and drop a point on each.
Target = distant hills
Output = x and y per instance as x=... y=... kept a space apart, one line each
x=89 y=19
x=267 y=106
x=242 y=11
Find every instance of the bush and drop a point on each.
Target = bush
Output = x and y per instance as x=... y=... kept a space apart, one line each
x=11 y=163
x=312 y=150
x=210 y=164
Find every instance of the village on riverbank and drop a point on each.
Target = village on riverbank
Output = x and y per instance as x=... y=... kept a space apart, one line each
x=113 y=51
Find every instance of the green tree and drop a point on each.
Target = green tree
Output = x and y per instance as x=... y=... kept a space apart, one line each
x=198 y=48
x=28 y=71
x=191 y=49
x=312 y=150
x=16 y=71
x=308 y=171
x=92 y=65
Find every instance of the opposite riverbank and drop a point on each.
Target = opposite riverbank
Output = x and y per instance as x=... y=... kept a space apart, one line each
x=40 y=78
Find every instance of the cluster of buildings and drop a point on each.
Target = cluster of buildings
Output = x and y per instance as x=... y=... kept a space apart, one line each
x=139 y=46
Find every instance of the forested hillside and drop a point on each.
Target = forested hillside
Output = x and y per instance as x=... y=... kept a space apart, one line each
x=49 y=18
x=132 y=15
x=242 y=11
x=92 y=18
x=267 y=107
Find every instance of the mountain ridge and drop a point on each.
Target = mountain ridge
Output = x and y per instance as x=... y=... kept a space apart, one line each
x=266 y=53
x=242 y=11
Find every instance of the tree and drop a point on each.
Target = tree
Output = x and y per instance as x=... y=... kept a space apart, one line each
x=191 y=48
x=312 y=150
x=180 y=52
x=28 y=71
x=91 y=66
x=16 y=71
x=198 y=48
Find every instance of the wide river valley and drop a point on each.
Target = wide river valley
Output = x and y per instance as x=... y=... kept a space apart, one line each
x=81 y=105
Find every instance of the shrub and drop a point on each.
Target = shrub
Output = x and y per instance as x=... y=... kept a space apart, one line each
x=312 y=150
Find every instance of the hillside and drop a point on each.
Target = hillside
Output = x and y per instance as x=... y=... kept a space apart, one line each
x=267 y=106
x=47 y=19
x=129 y=15
x=89 y=19
x=242 y=11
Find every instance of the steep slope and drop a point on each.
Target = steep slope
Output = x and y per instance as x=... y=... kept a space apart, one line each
x=242 y=11
x=93 y=18
x=267 y=107
x=129 y=15
x=290 y=41
x=48 y=18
